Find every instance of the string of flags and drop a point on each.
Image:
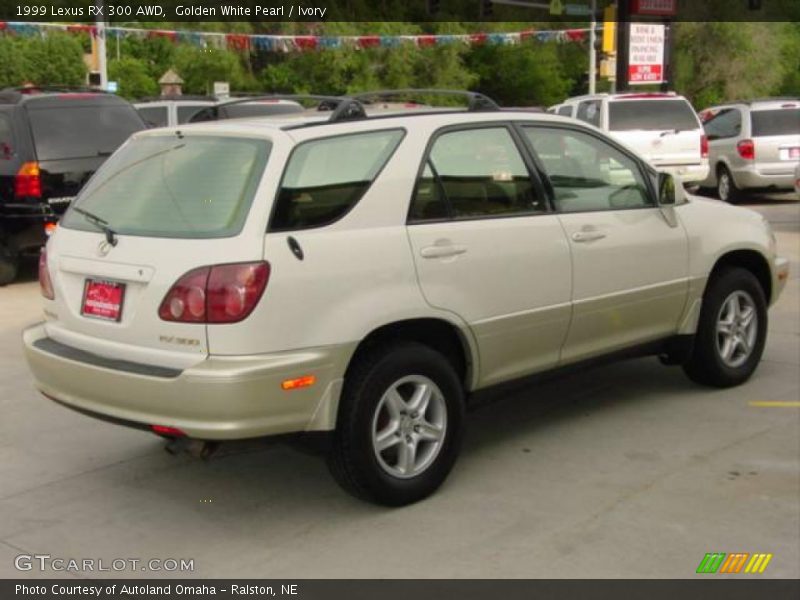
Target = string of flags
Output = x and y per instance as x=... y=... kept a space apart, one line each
x=297 y=43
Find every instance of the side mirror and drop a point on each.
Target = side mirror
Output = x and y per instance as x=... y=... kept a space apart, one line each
x=670 y=190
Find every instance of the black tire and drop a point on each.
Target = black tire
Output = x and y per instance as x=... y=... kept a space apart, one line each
x=733 y=193
x=9 y=265
x=706 y=364
x=352 y=458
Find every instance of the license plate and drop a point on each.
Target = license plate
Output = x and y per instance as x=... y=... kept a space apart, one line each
x=102 y=299
x=790 y=153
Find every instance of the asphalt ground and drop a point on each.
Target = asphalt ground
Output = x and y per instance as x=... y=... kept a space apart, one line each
x=628 y=470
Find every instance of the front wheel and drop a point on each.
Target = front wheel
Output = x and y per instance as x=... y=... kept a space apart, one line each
x=732 y=330
x=399 y=426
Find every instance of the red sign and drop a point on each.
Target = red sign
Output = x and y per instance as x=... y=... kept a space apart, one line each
x=660 y=8
x=645 y=74
x=103 y=299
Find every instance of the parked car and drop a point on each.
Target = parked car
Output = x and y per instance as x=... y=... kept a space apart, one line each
x=797 y=181
x=662 y=127
x=753 y=145
x=51 y=141
x=366 y=276
x=171 y=110
x=565 y=110
x=239 y=108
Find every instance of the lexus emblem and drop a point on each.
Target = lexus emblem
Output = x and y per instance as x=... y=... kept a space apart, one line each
x=104 y=248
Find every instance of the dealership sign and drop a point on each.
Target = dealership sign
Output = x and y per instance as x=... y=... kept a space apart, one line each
x=661 y=8
x=646 y=53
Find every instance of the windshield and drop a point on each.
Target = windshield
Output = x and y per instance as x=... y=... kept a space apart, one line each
x=782 y=121
x=651 y=115
x=81 y=131
x=166 y=186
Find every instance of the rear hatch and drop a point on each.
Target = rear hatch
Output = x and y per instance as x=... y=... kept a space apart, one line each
x=162 y=206
x=775 y=129
x=73 y=134
x=665 y=130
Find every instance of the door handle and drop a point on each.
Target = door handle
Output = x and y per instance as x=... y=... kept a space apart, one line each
x=587 y=236
x=442 y=251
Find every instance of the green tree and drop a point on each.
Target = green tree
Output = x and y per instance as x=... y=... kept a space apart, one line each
x=56 y=59
x=201 y=67
x=133 y=78
x=14 y=62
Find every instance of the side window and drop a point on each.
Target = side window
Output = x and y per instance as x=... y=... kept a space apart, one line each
x=565 y=111
x=475 y=173
x=725 y=124
x=587 y=173
x=186 y=112
x=589 y=111
x=326 y=177
x=154 y=116
x=6 y=140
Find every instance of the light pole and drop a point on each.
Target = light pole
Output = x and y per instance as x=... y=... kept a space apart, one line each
x=101 y=44
x=592 y=49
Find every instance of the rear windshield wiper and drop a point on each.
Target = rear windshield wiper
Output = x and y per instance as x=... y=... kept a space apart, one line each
x=102 y=224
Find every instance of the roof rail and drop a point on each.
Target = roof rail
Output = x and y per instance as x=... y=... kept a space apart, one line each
x=475 y=101
x=13 y=95
x=342 y=108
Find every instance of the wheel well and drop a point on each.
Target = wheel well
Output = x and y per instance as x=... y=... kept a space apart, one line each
x=753 y=262
x=437 y=334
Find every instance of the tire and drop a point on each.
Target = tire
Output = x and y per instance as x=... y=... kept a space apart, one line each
x=368 y=408
x=727 y=191
x=9 y=265
x=713 y=363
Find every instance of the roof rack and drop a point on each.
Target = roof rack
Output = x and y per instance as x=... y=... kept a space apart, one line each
x=475 y=101
x=342 y=108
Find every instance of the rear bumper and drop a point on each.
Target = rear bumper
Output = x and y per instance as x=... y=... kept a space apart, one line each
x=220 y=398
x=689 y=173
x=752 y=178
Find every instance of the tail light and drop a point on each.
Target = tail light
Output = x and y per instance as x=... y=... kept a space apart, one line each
x=165 y=431
x=45 y=283
x=746 y=149
x=703 y=146
x=28 y=181
x=50 y=228
x=216 y=294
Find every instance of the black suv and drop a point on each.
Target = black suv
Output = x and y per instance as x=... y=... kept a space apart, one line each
x=51 y=141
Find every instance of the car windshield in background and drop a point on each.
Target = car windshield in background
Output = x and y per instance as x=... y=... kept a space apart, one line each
x=781 y=121
x=165 y=186
x=81 y=131
x=651 y=115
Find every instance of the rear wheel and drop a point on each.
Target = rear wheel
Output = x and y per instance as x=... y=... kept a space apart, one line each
x=399 y=426
x=727 y=191
x=732 y=331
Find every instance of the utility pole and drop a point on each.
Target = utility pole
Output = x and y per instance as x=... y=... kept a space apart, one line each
x=623 y=38
x=592 y=49
x=100 y=23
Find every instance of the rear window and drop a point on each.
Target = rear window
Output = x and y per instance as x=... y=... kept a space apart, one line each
x=81 y=131
x=651 y=115
x=6 y=139
x=782 y=121
x=154 y=116
x=259 y=109
x=325 y=178
x=165 y=186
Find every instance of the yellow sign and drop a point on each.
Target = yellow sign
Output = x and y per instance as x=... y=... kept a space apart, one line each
x=556 y=7
x=610 y=29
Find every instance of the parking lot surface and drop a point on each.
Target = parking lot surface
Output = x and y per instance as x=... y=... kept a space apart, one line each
x=627 y=470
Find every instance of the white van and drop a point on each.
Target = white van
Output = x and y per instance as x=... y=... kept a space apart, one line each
x=662 y=127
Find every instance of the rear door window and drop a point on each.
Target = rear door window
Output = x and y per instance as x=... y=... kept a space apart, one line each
x=589 y=111
x=565 y=111
x=651 y=115
x=726 y=123
x=165 y=186
x=155 y=116
x=325 y=178
x=63 y=132
x=6 y=139
x=782 y=121
x=186 y=112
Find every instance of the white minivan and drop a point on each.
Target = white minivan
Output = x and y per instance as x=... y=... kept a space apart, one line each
x=662 y=127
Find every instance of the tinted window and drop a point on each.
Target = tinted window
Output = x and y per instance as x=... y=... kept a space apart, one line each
x=154 y=116
x=651 y=115
x=81 y=131
x=783 y=121
x=565 y=111
x=475 y=173
x=587 y=173
x=326 y=177
x=726 y=123
x=589 y=111
x=195 y=187
x=258 y=109
x=187 y=112
x=6 y=141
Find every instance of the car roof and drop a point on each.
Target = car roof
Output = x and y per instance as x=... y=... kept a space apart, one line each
x=627 y=96
x=759 y=104
x=47 y=99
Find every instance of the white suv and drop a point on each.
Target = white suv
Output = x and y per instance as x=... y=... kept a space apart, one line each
x=365 y=275
x=662 y=127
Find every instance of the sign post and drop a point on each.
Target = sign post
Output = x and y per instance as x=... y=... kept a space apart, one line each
x=646 y=53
